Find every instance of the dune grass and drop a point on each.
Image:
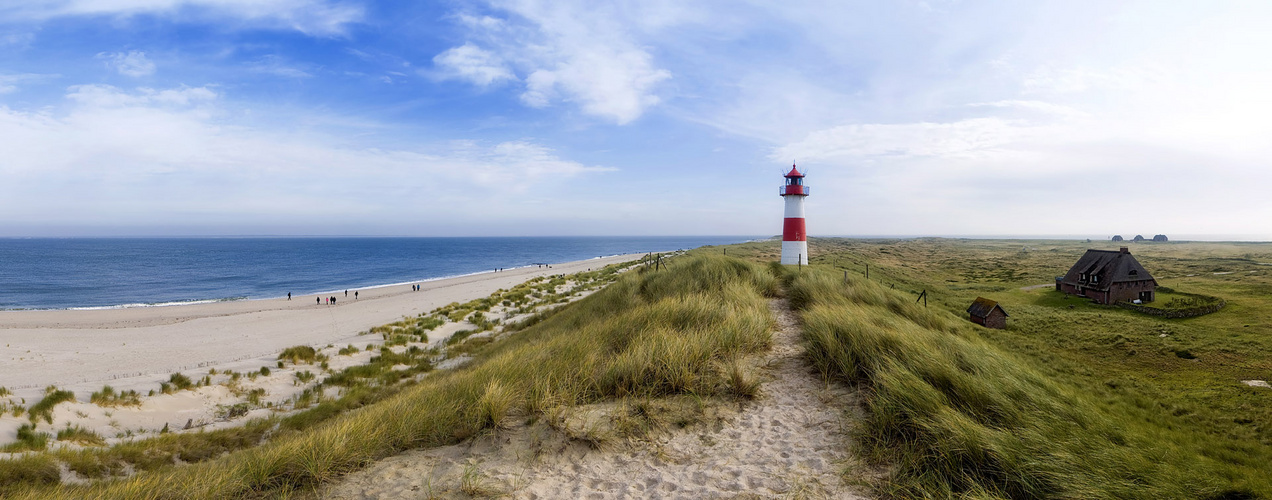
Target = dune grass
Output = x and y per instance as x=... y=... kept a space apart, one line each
x=299 y=354
x=955 y=415
x=80 y=435
x=109 y=397
x=29 y=439
x=649 y=334
x=44 y=408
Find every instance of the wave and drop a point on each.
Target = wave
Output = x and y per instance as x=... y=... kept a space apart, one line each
x=158 y=304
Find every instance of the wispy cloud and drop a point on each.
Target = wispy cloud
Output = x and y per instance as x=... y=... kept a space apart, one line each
x=582 y=53
x=1040 y=106
x=313 y=17
x=277 y=66
x=133 y=63
x=10 y=83
x=967 y=139
x=473 y=64
x=116 y=154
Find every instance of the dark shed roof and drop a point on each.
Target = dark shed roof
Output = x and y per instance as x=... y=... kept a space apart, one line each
x=981 y=307
x=1111 y=266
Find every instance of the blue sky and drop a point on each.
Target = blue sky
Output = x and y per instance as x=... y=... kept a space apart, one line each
x=318 y=117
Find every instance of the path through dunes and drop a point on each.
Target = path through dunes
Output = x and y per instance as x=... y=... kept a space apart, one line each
x=790 y=442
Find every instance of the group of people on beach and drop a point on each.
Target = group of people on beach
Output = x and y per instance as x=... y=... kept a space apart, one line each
x=329 y=300
x=414 y=288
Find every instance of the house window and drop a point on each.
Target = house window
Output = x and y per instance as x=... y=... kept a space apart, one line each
x=1095 y=279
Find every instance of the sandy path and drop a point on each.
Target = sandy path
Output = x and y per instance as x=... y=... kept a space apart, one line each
x=82 y=350
x=789 y=443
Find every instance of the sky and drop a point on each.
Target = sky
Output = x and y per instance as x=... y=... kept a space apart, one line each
x=646 y=117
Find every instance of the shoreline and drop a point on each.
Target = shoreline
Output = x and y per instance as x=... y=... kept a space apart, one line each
x=82 y=350
x=192 y=302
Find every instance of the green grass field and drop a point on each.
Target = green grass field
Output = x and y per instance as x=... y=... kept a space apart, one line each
x=1073 y=399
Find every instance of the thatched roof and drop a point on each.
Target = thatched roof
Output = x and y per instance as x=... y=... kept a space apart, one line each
x=981 y=307
x=1111 y=266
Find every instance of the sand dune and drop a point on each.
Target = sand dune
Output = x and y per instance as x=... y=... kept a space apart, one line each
x=137 y=348
x=791 y=442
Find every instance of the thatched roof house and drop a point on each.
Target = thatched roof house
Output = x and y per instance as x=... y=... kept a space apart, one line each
x=1108 y=276
x=987 y=313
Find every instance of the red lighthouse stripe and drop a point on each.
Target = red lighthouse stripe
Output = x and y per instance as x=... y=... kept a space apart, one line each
x=793 y=229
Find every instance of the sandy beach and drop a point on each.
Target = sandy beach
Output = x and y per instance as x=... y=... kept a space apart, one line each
x=137 y=348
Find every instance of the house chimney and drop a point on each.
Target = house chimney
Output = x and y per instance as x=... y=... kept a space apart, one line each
x=1126 y=250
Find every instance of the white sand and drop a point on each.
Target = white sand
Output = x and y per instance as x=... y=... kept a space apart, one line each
x=137 y=348
x=790 y=443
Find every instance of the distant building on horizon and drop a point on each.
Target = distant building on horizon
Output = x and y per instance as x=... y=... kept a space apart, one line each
x=1107 y=277
x=794 y=234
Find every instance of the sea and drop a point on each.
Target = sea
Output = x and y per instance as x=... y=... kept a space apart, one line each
x=92 y=273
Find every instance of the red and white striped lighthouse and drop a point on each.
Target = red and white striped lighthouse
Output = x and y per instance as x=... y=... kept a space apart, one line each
x=794 y=238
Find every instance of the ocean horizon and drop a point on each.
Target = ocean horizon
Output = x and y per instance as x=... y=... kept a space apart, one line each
x=114 y=272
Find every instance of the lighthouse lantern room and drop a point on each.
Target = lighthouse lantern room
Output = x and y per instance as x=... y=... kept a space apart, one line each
x=794 y=237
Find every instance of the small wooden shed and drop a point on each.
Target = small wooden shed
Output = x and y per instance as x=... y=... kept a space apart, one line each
x=987 y=313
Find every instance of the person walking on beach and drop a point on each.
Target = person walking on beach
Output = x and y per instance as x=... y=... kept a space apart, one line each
x=288 y=295
x=346 y=294
x=355 y=295
x=319 y=299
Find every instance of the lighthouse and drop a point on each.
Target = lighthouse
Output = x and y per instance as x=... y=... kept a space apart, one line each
x=794 y=238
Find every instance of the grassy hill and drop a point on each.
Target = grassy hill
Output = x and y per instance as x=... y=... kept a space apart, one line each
x=1072 y=400
x=676 y=331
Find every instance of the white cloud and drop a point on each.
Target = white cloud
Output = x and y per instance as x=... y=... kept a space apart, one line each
x=106 y=96
x=966 y=139
x=1049 y=79
x=277 y=66
x=1041 y=106
x=579 y=52
x=10 y=83
x=133 y=63
x=606 y=82
x=313 y=17
x=474 y=64
x=154 y=156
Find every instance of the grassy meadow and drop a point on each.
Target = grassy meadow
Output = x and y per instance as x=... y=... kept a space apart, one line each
x=1073 y=399
x=678 y=333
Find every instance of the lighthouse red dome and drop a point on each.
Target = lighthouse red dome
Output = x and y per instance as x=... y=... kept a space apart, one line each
x=794 y=172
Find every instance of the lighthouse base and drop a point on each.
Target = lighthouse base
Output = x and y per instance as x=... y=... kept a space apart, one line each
x=795 y=252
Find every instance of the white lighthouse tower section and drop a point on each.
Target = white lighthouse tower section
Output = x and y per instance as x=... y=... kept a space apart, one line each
x=794 y=252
